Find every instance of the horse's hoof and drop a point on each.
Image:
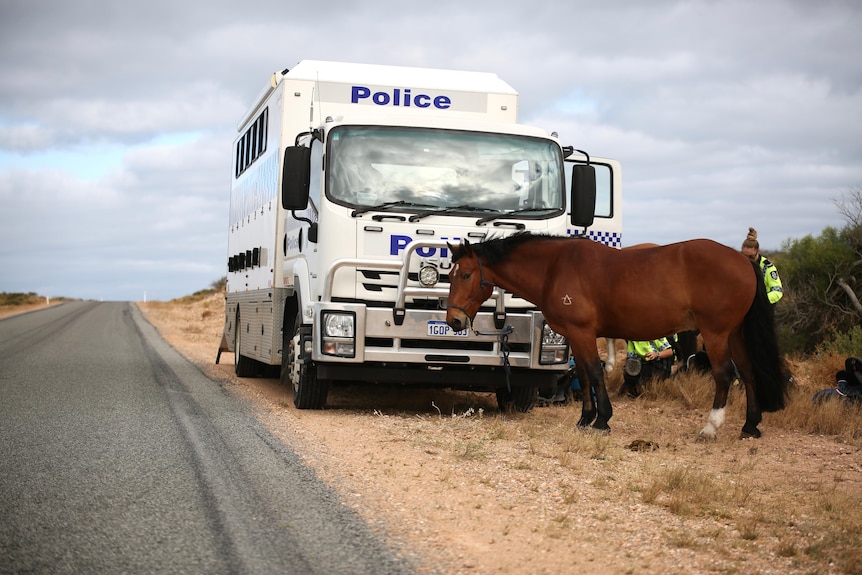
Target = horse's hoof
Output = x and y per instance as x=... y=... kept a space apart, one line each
x=749 y=432
x=706 y=437
x=602 y=427
x=586 y=420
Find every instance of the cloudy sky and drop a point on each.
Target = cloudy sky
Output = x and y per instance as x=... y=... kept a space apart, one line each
x=117 y=118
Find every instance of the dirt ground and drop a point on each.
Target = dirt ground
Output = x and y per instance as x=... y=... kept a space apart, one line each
x=473 y=491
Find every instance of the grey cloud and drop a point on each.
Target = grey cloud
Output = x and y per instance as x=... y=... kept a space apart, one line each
x=724 y=114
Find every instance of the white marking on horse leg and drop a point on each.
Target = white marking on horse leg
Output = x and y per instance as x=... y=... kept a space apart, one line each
x=713 y=423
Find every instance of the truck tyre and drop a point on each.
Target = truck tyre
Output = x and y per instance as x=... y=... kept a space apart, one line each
x=243 y=366
x=521 y=398
x=309 y=392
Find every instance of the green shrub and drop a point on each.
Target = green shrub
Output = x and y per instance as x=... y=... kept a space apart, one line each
x=843 y=343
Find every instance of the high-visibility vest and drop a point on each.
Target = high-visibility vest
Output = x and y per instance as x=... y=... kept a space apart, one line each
x=641 y=348
x=770 y=279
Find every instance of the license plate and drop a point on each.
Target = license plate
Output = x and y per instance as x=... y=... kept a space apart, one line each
x=438 y=328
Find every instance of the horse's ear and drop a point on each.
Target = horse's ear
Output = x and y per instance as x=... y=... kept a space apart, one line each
x=459 y=250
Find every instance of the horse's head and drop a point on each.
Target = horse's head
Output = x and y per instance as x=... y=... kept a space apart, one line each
x=467 y=286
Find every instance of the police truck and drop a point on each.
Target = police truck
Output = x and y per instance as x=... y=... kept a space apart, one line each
x=349 y=184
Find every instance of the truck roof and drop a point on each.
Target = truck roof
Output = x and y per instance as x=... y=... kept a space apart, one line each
x=399 y=75
x=343 y=84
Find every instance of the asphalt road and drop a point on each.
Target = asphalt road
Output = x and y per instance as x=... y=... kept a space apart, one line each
x=119 y=456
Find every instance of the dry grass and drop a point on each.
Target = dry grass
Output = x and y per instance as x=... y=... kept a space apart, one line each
x=823 y=526
x=835 y=418
x=816 y=525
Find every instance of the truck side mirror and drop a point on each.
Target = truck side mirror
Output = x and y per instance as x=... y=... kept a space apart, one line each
x=583 y=195
x=294 y=178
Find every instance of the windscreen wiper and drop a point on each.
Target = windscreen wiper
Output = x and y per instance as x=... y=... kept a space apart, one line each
x=449 y=210
x=385 y=207
x=513 y=213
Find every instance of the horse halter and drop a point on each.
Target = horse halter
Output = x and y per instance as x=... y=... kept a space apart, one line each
x=478 y=293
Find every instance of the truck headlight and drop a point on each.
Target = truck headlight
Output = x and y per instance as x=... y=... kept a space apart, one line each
x=339 y=333
x=554 y=347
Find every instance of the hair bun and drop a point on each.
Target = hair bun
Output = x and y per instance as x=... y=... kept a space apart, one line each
x=752 y=234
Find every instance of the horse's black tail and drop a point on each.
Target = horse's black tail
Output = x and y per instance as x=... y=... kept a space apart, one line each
x=771 y=385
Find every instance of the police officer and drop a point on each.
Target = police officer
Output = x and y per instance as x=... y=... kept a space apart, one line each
x=646 y=360
x=751 y=248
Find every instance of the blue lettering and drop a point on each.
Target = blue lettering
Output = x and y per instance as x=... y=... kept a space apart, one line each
x=400 y=97
x=359 y=93
x=398 y=243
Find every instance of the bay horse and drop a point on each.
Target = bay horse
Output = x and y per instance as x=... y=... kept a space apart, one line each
x=587 y=290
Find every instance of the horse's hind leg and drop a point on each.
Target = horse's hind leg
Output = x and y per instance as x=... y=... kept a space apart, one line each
x=753 y=416
x=597 y=411
x=722 y=373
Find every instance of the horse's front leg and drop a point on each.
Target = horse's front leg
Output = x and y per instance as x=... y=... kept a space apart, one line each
x=588 y=409
x=593 y=381
x=603 y=402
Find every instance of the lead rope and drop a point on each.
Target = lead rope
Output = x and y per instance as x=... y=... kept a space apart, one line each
x=504 y=347
x=503 y=335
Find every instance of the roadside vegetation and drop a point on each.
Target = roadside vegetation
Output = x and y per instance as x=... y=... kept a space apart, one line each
x=218 y=286
x=12 y=303
x=12 y=299
x=822 y=276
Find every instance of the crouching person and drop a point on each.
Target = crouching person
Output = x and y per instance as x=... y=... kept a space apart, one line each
x=646 y=360
x=848 y=383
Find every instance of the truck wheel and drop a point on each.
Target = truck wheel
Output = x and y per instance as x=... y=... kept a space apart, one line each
x=309 y=392
x=243 y=366
x=521 y=398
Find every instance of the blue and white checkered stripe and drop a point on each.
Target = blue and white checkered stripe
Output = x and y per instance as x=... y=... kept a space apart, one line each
x=612 y=239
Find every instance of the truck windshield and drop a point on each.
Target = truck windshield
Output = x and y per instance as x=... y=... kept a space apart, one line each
x=445 y=171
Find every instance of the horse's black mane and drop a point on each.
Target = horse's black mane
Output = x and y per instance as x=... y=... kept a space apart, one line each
x=496 y=249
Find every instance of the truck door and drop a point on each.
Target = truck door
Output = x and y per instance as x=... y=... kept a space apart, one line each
x=606 y=226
